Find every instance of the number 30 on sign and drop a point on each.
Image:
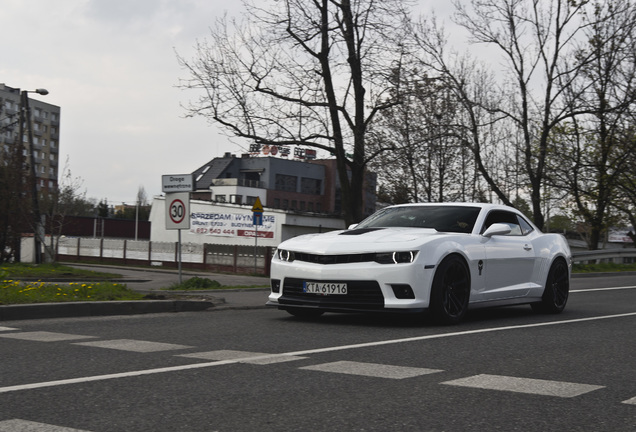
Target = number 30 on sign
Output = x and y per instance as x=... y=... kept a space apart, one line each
x=178 y=210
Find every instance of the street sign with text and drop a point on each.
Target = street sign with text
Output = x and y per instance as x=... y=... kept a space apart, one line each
x=172 y=183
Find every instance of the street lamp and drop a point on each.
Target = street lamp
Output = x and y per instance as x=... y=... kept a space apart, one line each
x=25 y=119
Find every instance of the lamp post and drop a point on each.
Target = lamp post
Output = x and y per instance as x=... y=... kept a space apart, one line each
x=25 y=114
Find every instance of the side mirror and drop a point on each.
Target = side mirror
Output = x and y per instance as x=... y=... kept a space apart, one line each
x=497 y=229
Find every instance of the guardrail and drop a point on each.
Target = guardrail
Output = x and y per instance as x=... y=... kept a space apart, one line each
x=615 y=255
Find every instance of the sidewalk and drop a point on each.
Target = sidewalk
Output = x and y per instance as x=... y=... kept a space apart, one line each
x=151 y=282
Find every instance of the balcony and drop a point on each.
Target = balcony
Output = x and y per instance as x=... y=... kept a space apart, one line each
x=237 y=182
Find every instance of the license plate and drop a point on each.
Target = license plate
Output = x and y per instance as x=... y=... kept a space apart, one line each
x=325 y=288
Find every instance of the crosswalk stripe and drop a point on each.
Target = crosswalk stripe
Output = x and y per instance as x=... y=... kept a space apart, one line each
x=44 y=336
x=524 y=385
x=631 y=401
x=371 y=369
x=14 y=425
x=243 y=356
x=133 y=345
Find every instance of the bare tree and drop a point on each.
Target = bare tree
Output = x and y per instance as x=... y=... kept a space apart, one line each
x=310 y=73
x=476 y=124
x=14 y=196
x=595 y=149
x=534 y=39
x=423 y=158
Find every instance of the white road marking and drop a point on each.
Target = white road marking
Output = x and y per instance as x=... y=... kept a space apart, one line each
x=524 y=385
x=133 y=345
x=44 y=336
x=7 y=328
x=15 y=425
x=602 y=289
x=631 y=401
x=302 y=353
x=371 y=369
x=244 y=356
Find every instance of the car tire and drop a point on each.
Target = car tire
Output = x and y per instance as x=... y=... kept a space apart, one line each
x=450 y=292
x=557 y=289
x=307 y=314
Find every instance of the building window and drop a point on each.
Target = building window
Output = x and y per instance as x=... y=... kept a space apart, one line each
x=302 y=206
x=286 y=183
x=294 y=205
x=285 y=204
x=236 y=199
x=276 y=202
x=251 y=200
x=220 y=198
x=310 y=186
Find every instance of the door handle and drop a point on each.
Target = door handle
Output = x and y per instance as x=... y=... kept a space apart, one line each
x=527 y=247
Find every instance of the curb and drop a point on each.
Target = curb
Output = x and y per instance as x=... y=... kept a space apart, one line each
x=106 y=308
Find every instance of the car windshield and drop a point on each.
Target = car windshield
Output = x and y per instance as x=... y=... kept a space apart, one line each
x=459 y=219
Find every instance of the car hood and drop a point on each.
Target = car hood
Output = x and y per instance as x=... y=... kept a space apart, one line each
x=361 y=240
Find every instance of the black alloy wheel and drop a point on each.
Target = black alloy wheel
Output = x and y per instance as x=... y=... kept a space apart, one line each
x=557 y=289
x=451 y=291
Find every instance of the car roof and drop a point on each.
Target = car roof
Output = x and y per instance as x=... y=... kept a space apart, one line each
x=487 y=206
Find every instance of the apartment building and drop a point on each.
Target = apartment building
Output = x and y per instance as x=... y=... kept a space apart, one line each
x=45 y=119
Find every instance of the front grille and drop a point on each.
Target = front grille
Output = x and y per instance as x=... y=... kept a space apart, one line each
x=360 y=295
x=334 y=259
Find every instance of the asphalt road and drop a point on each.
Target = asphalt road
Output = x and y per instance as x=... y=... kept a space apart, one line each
x=263 y=370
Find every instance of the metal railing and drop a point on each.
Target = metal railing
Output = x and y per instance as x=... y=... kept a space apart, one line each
x=604 y=255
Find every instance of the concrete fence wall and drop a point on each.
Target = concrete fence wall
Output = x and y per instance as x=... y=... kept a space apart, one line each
x=212 y=257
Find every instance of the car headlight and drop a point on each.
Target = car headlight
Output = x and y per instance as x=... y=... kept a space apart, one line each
x=285 y=255
x=406 y=257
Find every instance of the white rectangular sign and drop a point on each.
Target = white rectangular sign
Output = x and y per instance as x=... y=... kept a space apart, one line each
x=178 y=210
x=177 y=183
x=232 y=225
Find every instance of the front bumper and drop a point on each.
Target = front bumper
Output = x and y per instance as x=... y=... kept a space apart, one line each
x=371 y=286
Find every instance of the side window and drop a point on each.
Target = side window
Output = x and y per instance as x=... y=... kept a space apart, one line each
x=526 y=228
x=508 y=218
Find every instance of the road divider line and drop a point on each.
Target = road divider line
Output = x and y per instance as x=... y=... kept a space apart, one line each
x=602 y=289
x=299 y=353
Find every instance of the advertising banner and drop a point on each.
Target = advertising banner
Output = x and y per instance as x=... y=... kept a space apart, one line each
x=231 y=225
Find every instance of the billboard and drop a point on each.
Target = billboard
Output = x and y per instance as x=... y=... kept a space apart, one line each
x=231 y=225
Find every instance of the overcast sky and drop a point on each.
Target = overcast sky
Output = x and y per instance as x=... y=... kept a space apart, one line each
x=111 y=67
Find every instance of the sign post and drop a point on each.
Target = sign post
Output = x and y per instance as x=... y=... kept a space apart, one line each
x=178 y=217
x=257 y=219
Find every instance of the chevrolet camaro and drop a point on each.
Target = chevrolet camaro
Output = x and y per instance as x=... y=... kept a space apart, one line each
x=440 y=259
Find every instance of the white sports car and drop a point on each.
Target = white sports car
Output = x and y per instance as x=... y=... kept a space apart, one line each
x=442 y=258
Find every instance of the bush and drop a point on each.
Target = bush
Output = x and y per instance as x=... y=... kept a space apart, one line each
x=197 y=283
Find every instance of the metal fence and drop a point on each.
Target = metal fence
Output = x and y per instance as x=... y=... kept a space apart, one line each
x=213 y=257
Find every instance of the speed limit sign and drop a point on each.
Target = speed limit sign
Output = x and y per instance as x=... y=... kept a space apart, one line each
x=178 y=210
